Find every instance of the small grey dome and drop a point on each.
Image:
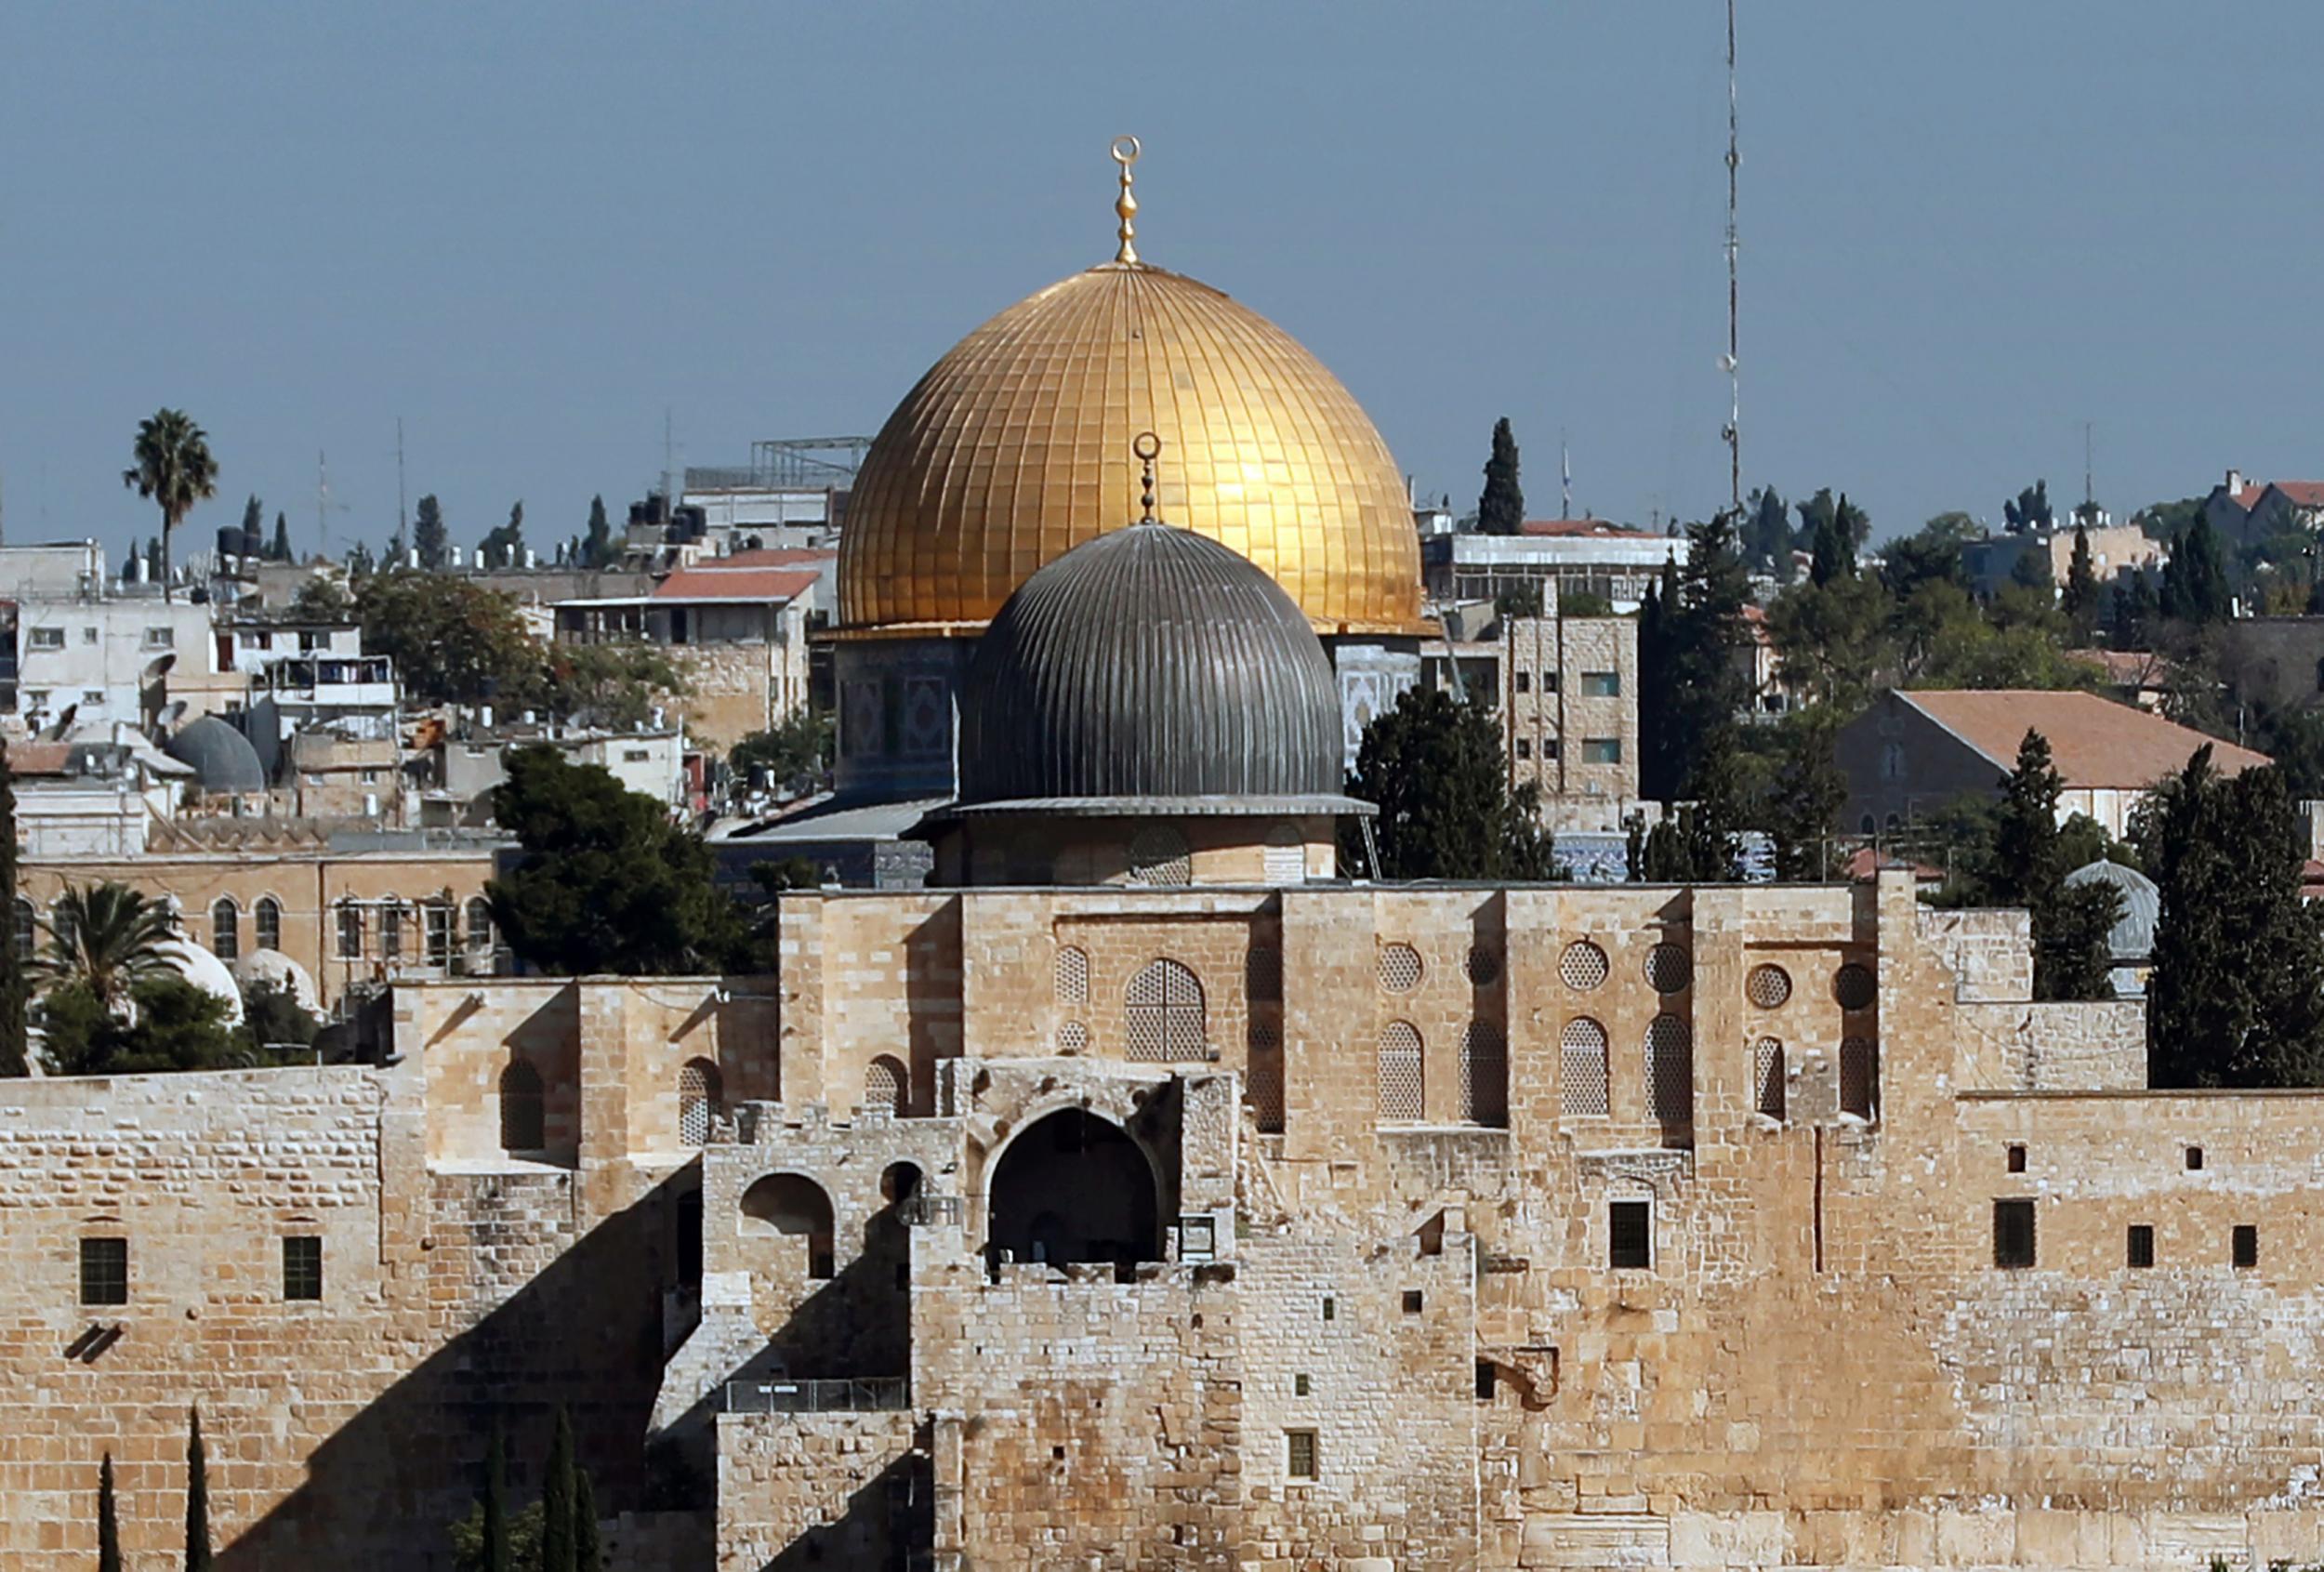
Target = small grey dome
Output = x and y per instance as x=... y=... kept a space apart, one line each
x=2132 y=936
x=1151 y=669
x=222 y=758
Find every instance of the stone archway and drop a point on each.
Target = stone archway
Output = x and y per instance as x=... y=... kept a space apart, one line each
x=1073 y=1186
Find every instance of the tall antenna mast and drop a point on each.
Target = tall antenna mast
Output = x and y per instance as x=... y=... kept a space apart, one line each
x=2089 y=496
x=1565 y=479
x=668 y=501
x=403 y=523
x=1731 y=360
x=323 y=502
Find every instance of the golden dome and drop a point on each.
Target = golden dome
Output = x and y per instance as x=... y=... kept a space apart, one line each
x=1015 y=448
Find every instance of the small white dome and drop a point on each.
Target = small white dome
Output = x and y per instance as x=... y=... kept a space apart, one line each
x=205 y=972
x=273 y=966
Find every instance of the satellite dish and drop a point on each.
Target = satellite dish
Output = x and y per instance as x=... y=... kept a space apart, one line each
x=63 y=727
x=160 y=665
x=172 y=712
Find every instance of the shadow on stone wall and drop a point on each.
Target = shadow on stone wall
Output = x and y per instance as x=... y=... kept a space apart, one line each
x=886 y=1521
x=585 y=1333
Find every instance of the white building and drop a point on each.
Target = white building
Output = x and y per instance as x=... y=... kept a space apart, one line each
x=1581 y=556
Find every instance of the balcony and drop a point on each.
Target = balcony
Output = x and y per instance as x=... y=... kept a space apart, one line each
x=877 y=1394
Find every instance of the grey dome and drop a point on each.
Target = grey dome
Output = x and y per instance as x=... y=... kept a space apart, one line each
x=2132 y=936
x=222 y=758
x=1151 y=669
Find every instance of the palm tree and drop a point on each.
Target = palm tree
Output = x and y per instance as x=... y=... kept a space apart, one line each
x=174 y=472
x=106 y=937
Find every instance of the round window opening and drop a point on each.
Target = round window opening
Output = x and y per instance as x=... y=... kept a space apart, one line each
x=1767 y=986
x=1669 y=969
x=1583 y=966
x=1484 y=966
x=1853 y=987
x=1399 y=968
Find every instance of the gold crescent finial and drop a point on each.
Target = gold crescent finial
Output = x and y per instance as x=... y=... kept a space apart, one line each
x=1125 y=153
x=1148 y=447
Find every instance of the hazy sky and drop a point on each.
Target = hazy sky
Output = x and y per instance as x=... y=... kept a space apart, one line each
x=528 y=231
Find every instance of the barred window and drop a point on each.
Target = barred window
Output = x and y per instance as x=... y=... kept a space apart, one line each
x=886 y=1085
x=1853 y=987
x=1859 y=1077
x=225 y=930
x=1262 y=973
x=479 y=923
x=523 y=1116
x=1582 y=1070
x=1263 y=1082
x=1399 y=968
x=1299 y=1454
x=1162 y=1013
x=1669 y=969
x=268 y=918
x=436 y=919
x=700 y=1101
x=1072 y=974
x=1767 y=1077
x=1158 y=854
x=392 y=931
x=1670 y=1070
x=351 y=931
x=1484 y=1075
x=1767 y=986
x=105 y=1271
x=302 y=1266
x=1583 y=966
x=1402 y=1096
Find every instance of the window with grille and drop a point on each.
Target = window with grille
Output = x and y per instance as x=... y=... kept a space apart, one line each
x=1300 y=1457
x=27 y=928
x=225 y=930
x=104 y=1272
x=1072 y=974
x=1484 y=1074
x=1484 y=966
x=1767 y=1077
x=1670 y=1070
x=1854 y=988
x=1162 y=1015
x=390 y=931
x=479 y=923
x=1158 y=856
x=700 y=1101
x=1399 y=968
x=268 y=916
x=351 y=931
x=1582 y=967
x=1859 y=1077
x=1263 y=1080
x=2014 y=1234
x=1262 y=973
x=1401 y=1096
x=302 y=1266
x=1582 y=1070
x=523 y=1116
x=435 y=917
x=1073 y=1037
x=1670 y=969
x=1629 y=1236
x=1767 y=986
x=886 y=1086
x=2139 y=1251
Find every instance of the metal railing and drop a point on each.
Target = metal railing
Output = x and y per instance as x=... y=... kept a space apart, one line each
x=929 y=1211
x=863 y=1395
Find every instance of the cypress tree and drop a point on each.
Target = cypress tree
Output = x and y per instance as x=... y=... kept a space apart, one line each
x=597 y=547
x=2071 y=923
x=1501 y=507
x=108 y=1524
x=1434 y=765
x=589 y=1555
x=197 y=1498
x=431 y=535
x=1810 y=790
x=496 y=1506
x=14 y=989
x=2080 y=599
x=281 y=550
x=556 y=1500
x=1829 y=555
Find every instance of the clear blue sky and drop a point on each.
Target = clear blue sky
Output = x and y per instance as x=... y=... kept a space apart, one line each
x=530 y=230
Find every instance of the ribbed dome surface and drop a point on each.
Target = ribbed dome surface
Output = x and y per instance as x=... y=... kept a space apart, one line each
x=222 y=758
x=2132 y=936
x=1150 y=662
x=1014 y=449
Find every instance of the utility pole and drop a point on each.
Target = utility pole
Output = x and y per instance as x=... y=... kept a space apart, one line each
x=2090 y=494
x=1565 y=479
x=323 y=503
x=1732 y=360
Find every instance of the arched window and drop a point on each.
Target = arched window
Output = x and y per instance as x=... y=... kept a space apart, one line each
x=794 y=1207
x=1860 y=1077
x=27 y=928
x=350 y=931
x=479 y=923
x=886 y=1085
x=268 y=915
x=1582 y=1070
x=1072 y=1186
x=1767 y=1087
x=701 y=1098
x=392 y=931
x=1071 y=974
x=225 y=930
x=1484 y=1074
x=1401 y=1084
x=1162 y=1013
x=523 y=1118
x=1671 y=1071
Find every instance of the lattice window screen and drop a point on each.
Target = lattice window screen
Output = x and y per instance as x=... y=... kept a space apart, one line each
x=1262 y=973
x=1073 y=1037
x=1767 y=1077
x=1073 y=974
x=698 y=1100
x=1859 y=1077
x=1401 y=1094
x=1583 y=966
x=884 y=1085
x=1399 y=968
x=1853 y=987
x=1484 y=966
x=1670 y=1070
x=1767 y=986
x=1162 y=1014
x=1669 y=969
x=1158 y=856
x=1263 y=1084
x=1582 y=1071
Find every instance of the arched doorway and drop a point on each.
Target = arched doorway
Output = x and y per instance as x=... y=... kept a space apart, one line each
x=1073 y=1187
x=795 y=1207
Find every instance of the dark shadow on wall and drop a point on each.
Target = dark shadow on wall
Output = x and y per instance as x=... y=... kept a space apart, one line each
x=585 y=1334
x=931 y=1004
x=886 y=1521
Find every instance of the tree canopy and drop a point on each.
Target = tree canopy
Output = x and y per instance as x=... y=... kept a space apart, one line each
x=431 y=537
x=173 y=470
x=1501 y=506
x=1434 y=767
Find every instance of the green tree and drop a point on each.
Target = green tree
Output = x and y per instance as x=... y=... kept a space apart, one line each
x=197 y=1497
x=2194 y=584
x=793 y=754
x=281 y=550
x=105 y=937
x=252 y=526
x=2235 y=996
x=2029 y=512
x=153 y=565
x=1519 y=600
x=495 y=1505
x=173 y=470
x=556 y=1500
x=2031 y=571
x=360 y=563
x=1809 y=792
x=614 y=684
x=1434 y=766
x=1826 y=513
x=169 y=1024
x=1766 y=537
x=2079 y=602
x=1501 y=505
x=323 y=600
x=15 y=987
x=505 y=546
x=108 y=1519
x=1836 y=642
x=604 y=882
x=1701 y=841
x=597 y=547
x=454 y=641
x=1829 y=555
x=271 y=1016
x=1690 y=683
x=1931 y=553
x=588 y=1551
x=431 y=535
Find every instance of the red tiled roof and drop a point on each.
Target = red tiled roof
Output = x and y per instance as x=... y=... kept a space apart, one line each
x=2125 y=668
x=735 y=583
x=38 y=759
x=2094 y=742
x=2302 y=493
x=1864 y=863
x=1582 y=528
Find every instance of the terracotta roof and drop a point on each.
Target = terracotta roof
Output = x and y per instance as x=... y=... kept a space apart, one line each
x=2126 y=668
x=1582 y=526
x=735 y=583
x=1865 y=861
x=38 y=759
x=2094 y=742
x=2302 y=493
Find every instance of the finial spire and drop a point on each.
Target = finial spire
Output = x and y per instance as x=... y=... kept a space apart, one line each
x=1125 y=153
x=1148 y=447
